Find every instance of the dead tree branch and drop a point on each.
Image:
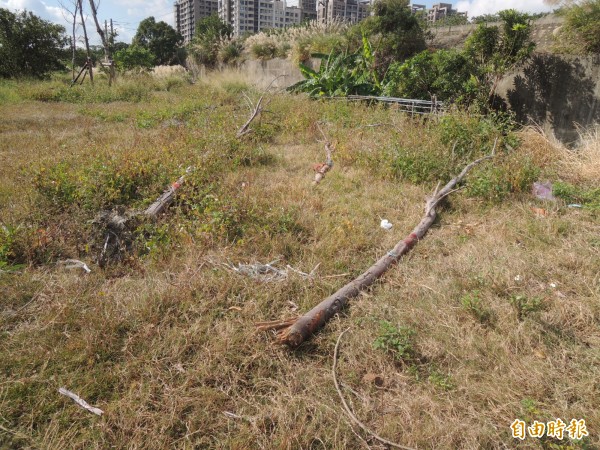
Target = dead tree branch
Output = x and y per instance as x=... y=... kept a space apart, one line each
x=256 y=110
x=166 y=198
x=317 y=317
x=322 y=168
x=347 y=408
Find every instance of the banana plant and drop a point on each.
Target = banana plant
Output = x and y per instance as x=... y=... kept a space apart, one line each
x=340 y=75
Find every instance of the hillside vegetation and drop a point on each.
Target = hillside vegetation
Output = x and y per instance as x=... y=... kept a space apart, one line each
x=494 y=316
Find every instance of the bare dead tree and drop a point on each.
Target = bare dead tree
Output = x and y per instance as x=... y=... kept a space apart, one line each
x=88 y=63
x=94 y=8
x=256 y=109
x=293 y=332
x=71 y=17
x=106 y=40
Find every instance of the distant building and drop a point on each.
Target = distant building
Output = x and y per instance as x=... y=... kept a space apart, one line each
x=188 y=12
x=345 y=10
x=308 y=10
x=441 y=11
x=418 y=8
x=252 y=16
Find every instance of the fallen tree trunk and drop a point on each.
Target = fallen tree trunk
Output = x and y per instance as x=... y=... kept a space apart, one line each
x=294 y=332
x=162 y=202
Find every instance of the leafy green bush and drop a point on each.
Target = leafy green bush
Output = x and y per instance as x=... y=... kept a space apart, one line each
x=8 y=238
x=442 y=74
x=525 y=306
x=134 y=57
x=231 y=52
x=418 y=167
x=582 y=27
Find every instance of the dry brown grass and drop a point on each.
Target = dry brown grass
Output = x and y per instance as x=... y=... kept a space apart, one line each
x=582 y=165
x=165 y=344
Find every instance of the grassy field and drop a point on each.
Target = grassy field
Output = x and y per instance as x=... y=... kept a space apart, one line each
x=493 y=317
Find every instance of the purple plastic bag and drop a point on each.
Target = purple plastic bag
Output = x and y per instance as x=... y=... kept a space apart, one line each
x=543 y=191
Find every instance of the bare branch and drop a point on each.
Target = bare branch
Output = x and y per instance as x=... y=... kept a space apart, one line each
x=257 y=109
x=347 y=408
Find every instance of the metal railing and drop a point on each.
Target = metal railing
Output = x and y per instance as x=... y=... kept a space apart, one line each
x=411 y=106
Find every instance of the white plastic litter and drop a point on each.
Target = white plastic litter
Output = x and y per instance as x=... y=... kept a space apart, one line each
x=81 y=402
x=386 y=225
x=75 y=264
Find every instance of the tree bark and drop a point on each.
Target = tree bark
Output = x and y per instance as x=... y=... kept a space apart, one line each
x=293 y=333
x=162 y=202
x=87 y=44
x=98 y=27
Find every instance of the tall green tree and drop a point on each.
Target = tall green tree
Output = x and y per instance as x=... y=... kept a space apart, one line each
x=160 y=39
x=211 y=29
x=29 y=45
x=396 y=31
x=134 y=57
x=209 y=32
x=496 y=50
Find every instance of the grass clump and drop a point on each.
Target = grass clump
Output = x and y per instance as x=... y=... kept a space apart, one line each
x=588 y=198
x=474 y=305
x=525 y=305
x=167 y=323
x=395 y=340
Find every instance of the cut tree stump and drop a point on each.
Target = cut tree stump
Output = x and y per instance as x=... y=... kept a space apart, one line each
x=293 y=332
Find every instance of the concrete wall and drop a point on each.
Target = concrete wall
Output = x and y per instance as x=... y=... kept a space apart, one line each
x=556 y=92
x=544 y=30
x=263 y=72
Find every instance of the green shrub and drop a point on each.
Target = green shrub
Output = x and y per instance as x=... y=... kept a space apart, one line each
x=264 y=51
x=582 y=27
x=525 y=306
x=8 y=252
x=570 y=193
x=398 y=341
x=473 y=304
x=418 y=167
x=231 y=52
x=443 y=74
x=57 y=184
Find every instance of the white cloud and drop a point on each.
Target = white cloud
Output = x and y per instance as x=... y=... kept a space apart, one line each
x=479 y=7
x=38 y=7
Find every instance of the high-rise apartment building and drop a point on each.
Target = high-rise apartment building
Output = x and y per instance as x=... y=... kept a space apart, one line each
x=346 y=10
x=188 y=12
x=308 y=10
x=252 y=16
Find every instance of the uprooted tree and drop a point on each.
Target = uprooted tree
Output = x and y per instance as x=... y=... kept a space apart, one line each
x=293 y=332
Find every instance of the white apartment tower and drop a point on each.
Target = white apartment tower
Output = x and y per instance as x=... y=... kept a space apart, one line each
x=188 y=12
x=252 y=16
x=346 y=10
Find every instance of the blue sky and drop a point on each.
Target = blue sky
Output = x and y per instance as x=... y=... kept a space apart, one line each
x=127 y=14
